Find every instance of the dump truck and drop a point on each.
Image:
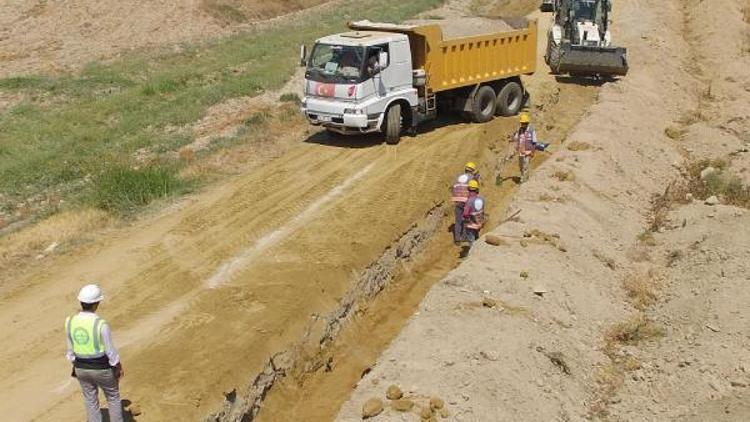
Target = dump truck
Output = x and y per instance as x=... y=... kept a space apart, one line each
x=390 y=78
x=579 y=42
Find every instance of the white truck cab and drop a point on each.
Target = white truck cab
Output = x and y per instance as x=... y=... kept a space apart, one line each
x=354 y=77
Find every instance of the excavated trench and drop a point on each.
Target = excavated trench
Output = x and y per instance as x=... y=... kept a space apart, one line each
x=311 y=353
x=314 y=376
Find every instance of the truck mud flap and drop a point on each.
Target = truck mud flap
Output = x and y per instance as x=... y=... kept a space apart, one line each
x=603 y=61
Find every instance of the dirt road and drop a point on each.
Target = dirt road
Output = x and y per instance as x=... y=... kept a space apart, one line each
x=221 y=284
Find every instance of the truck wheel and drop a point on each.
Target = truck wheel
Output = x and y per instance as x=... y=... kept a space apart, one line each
x=483 y=104
x=510 y=99
x=393 y=125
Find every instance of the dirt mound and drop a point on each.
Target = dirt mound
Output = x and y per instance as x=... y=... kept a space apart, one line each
x=52 y=36
x=466 y=26
x=640 y=316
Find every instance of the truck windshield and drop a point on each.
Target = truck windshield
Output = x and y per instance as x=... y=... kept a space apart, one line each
x=336 y=63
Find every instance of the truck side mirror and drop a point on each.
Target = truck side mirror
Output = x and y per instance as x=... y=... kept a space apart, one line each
x=383 y=60
x=303 y=55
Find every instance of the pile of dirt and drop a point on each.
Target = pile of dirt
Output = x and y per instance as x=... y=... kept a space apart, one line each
x=640 y=315
x=53 y=36
x=465 y=26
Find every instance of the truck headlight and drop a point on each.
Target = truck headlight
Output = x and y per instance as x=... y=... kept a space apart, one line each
x=303 y=103
x=353 y=111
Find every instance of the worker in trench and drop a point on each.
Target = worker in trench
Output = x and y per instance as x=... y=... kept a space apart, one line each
x=459 y=196
x=473 y=214
x=525 y=145
x=96 y=362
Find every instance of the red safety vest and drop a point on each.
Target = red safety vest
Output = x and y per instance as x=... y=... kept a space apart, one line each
x=460 y=190
x=525 y=142
x=476 y=206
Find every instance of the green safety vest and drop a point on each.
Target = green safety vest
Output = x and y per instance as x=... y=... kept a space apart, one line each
x=85 y=334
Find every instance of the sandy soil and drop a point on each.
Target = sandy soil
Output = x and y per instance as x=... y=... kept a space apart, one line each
x=200 y=297
x=519 y=331
x=54 y=35
x=465 y=26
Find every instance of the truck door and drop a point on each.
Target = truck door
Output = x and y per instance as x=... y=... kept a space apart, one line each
x=378 y=77
x=397 y=74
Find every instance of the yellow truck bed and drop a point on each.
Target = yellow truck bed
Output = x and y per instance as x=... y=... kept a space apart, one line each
x=455 y=54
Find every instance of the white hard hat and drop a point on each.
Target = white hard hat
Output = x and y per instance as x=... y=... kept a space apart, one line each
x=90 y=293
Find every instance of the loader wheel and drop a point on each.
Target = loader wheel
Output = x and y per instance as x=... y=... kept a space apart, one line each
x=393 y=125
x=483 y=105
x=510 y=99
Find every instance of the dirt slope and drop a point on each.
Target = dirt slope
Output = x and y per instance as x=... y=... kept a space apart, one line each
x=579 y=348
x=55 y=35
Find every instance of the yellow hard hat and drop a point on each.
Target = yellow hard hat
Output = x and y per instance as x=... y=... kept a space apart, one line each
x=473 y=185
x=524 y=118
x=471 y=166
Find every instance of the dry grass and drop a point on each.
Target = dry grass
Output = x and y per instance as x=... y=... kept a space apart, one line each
x=545 y=197
x=675 y=133
x=606 y=260
x=647 y=238
x=662 y=204
x=262 y=136
x=692 y=117
x=64 y=228
x=611 y=376
x=641 y=289
x=579 y=146
x=632 y=331
x=564 y=175
x=225 y=14
x=674 y=256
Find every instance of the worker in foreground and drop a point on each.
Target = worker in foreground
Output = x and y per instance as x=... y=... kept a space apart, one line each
x=459 y=196
x=473 y=214
x=525 y=145
x=96 y=363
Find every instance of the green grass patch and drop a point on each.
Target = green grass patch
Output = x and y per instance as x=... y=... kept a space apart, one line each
x=123 y=189
x=68 y=127
x=722 y=183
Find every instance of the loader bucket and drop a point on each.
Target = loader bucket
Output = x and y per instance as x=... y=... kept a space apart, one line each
x=601 y=61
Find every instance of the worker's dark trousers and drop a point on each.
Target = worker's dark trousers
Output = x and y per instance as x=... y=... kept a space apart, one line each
x=458 y=225
x=471 y=236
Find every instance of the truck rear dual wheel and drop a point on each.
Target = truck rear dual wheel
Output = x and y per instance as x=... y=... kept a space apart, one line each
x=393 y=125
x=483 y=104
x=510 y=99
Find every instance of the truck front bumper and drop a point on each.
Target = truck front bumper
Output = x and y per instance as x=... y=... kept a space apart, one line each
x=343 y=123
